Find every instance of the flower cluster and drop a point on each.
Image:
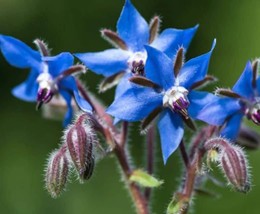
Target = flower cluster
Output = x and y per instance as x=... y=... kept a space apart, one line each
x=156 y=86
x=49 y=75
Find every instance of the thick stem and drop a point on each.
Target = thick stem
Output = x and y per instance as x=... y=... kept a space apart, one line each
x=124 y=133
x=189 y=183
x=150 y=157
x=119 y=150
x=193 y=163
x=137 y=196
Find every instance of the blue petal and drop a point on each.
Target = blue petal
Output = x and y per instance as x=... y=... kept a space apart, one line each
x=69 y=114
x=27 y=91
x=135 y=104
x=123 y=85
x=82 y=103
x=244 y=86
x=171 y=39
x=232 y=127
x=211 y=109
x=19 y=54
x=70 y=85
x=159 y=68
x=57 y=64
x=132 y=27
x=195 y=69
x=258 y=86
x=171 y=132
x=107 y=62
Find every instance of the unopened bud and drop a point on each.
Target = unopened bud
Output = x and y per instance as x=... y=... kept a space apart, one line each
x=57 y=172
x=80 y=146
x=232 y=162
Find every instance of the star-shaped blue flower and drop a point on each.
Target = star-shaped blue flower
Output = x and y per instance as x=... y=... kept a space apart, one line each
x=48 y=75
x=244 y=99
x=169 y=92
x=129 y=57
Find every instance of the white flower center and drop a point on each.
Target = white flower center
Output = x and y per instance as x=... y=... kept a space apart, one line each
x=176 y=99
x=136 y=63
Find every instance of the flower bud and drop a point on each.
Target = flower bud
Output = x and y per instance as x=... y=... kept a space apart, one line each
x=232 y=162
x=234 y=166
x=57 y=172
x=80 y=147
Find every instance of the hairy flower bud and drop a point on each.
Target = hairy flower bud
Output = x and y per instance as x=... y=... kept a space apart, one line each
x=80 y=142
x=57 y=172
x=232 y=162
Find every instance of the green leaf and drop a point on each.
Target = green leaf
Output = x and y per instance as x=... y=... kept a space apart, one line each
x=144 y=179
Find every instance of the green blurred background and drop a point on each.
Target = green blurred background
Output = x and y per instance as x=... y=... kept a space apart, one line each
x=27 y=139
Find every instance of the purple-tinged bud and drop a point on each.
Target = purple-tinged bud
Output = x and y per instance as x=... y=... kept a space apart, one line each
x=176 y=98
x=232 y=162
x=234 y=166
x=57 y=172
x=80 y=147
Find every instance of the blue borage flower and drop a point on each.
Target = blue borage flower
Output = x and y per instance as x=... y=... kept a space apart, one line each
x=244 y=99
x=170 y=92
x=48 y=75
x=133 y=33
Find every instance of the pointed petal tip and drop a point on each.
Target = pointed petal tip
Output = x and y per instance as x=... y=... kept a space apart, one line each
x=195 y=28
x=213 y=44
x=165 y=158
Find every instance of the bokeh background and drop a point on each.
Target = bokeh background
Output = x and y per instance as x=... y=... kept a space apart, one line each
x=26 y=139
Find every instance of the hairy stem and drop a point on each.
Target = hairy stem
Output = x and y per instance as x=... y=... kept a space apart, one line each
x=190 y=179
x=193 y=163
x=150 y=157
x=137 y=196
x=118 y=147
x=124 y=134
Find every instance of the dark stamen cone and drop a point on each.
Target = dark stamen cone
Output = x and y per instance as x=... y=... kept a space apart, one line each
x=57 y=172
x=154 y=28
x=113 y=38
x=42 y=47
x=227 y=93
x=179 y=59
